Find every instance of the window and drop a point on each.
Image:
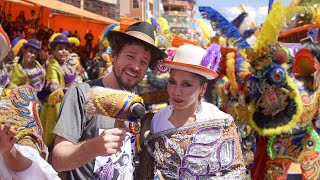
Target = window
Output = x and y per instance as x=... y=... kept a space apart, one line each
x=135 y=3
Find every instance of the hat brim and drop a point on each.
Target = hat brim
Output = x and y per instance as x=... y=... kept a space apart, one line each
x=112 y=35
x=206 y=72
x=54 y=43
x=31 y=45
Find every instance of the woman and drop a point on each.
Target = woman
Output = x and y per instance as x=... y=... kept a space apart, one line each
x=28 y=70
x=60 y=76
x=22 y=151
x=191 y=139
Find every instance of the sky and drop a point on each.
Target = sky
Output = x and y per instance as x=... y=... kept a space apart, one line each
x=258 y=9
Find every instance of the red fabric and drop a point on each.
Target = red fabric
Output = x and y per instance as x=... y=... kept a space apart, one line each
x=15 y=8
x=260 y=159
x=82 y=25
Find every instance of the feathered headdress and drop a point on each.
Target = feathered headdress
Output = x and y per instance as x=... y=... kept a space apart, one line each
x=212 y=57
x=204 y=29
x=57 y=38
x=163 y=33
x=103 y=38
x=224 y=27
x=274 y=23
x=18 y=45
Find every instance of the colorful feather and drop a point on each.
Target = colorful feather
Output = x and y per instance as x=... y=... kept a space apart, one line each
x=224 y=27
x=212 y=57
x=15 y=41
x=242 y=69
x=163 y=24
x=204 y=29
x=15 y=49
x=274 y=23
x=155 y=24
x=103 y=38
x=74 y=41
x=109 y=28
x=230 y=70
x=54 y=36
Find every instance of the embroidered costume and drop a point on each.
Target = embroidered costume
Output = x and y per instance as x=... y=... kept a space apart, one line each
x=207 y=149
x=20 y=107
x=34 y=77
x=57 y=80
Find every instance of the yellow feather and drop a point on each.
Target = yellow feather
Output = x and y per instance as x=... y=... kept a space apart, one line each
x=222 y=40
x=163 y=24
x=317 y=13
x=74 y=41
x=117 y=28
x=105 y=43
x=18 y=46
x=204 y=28
x=149 y=21
x=244 y=70
x=54 y=36
x=230 y=70
x=275 y=22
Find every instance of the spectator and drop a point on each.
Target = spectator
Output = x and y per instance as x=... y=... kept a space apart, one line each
x=89 y=38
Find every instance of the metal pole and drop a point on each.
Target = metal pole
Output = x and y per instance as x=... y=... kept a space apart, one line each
x=81 y=4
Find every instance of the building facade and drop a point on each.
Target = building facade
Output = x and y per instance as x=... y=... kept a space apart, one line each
x=107 y=8
x=140 y=9
x=179 y=15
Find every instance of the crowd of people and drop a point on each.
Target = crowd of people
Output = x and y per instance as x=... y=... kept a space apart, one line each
x=30 y=27
x=59 y=123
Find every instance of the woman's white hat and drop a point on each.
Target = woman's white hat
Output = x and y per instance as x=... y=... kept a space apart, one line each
x=197 y=60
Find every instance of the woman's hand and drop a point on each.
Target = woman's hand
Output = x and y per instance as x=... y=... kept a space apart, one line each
x=7 y=139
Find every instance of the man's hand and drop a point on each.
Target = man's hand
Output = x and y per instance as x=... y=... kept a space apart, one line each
x=7 y=139
x=109 y=141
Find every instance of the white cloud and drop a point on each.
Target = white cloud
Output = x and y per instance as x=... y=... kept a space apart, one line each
x=230 y=13
x=258 y=14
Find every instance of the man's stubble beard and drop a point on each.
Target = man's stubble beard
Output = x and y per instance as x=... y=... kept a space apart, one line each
x=121 y=84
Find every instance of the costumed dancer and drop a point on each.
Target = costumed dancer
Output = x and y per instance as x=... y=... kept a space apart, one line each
x=28 y=70
x=230 y=81
x=101 y=65
x=191 y=139
x=60 y=75
x=74 y=61
x=277 y=107
x=22 y=150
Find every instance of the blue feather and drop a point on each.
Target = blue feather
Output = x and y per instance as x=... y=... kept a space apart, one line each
x=15 y=41
x=155 y=24
x=223 y=26
x=108 y=29
x=239 y=63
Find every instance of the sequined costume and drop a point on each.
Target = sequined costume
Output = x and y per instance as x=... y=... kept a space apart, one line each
x=207 y=149
x=34 y=77
x=58 y=79
x=20 y=107
x=302 y=145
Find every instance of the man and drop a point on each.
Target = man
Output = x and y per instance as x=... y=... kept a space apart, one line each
x=78 y=143
x=89 y=38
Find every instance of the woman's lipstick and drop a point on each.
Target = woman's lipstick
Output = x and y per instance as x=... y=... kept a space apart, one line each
x=176 y=100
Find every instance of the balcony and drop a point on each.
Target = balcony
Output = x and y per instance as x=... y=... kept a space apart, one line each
x=176 y=3
x=177 y=13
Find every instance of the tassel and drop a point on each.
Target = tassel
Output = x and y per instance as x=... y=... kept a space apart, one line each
x=138 y=147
